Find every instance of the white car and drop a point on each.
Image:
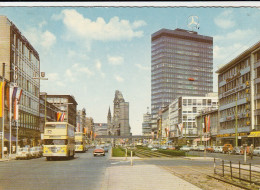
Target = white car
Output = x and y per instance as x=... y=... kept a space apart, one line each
x=163 y=147
x=256 y=151
x=201 y=148
x=194 y=147
x=218 y=149
x=185 y=148
x=23 y=153
x=35 y=153
x=154 y=149
x=150 y=146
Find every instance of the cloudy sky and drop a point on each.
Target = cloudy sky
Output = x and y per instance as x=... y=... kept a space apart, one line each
x=90 y=52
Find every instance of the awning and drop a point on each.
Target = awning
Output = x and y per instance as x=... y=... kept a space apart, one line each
x=201 y=139
x=254 y=134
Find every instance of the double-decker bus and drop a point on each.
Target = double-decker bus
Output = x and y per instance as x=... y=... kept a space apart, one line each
x=59 y=140
x=80 y=142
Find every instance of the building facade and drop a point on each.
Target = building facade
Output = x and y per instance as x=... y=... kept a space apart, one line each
x=81 y=121
x=207 y=123
x=239 y=99
x=100 y=128
x=48 y=112
x=90 y=128
x=67 y=104
x=146 y=125
x=182 y=113
x=22 y=63
x=182 y=65
x=119 y=124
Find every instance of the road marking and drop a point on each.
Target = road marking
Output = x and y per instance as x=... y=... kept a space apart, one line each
x=120 y=162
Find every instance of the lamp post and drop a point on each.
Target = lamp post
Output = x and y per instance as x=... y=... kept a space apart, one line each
x=236 y=123
x=3 y=128
x=42 y=77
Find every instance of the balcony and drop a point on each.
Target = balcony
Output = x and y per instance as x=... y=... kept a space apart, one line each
x=257 y=80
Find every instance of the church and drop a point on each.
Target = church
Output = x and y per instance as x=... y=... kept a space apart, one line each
x=118 y=125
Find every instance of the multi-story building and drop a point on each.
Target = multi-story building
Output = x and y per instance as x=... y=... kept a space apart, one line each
x=239 y=99
x=146 y=125
x=90 y=128
x=182 y=65
x=81 y=121
x=48 y=112
x=182 y=113
x=22 y=63
x=165 y=122
x=67 y=104
x=207 y=123
x=100 y=128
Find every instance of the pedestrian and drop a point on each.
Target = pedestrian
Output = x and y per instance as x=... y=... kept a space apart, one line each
x=251 y=151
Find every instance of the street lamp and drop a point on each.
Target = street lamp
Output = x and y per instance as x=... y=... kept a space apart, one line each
x=42 y=77
x=3 y=128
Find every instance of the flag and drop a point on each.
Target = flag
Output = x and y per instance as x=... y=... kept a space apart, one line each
x=205 y=124
x=62 y=117
x=19 y=94
x=15 y=109
x=11 y=90
x=208 y=123
x=2 y=102
x=58 y=116
x=7 y=97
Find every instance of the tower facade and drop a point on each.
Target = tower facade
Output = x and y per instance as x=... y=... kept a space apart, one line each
x=182 y=65
x=119 y=124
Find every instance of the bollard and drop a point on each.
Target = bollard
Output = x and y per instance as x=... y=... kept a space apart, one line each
x=245 y=156
x=230 y=169
x=223 y=167
x=239 y=170
x=250 y=175
x=131 y=158
x=214 y=165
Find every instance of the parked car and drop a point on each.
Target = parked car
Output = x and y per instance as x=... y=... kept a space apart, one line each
x=194 y=147
x=185 y=148
x=34 y=152
x=218 y=149
x=201 y=148
x=23 y=153
x=171 y=147
x=209 y=149
x=150 y=146
x=227 y=148
x=256 y=151
x=236 y=150
x=40 y=150
x=154 y=149
x=164 y=147
x=98 y=151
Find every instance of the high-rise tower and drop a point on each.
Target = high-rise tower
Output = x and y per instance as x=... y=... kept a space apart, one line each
x=182 y=65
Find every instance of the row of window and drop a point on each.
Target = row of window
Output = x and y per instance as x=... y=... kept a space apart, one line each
x=231 y=124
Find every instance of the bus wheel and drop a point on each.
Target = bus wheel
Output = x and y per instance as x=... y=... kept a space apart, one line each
x=48 y=158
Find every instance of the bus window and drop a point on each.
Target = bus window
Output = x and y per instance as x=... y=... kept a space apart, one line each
x=55 y=142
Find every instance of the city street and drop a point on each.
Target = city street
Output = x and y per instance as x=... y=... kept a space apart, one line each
x=82 y=172
x=95 y=173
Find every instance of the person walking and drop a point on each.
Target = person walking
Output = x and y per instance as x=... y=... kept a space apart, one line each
x=251 y=151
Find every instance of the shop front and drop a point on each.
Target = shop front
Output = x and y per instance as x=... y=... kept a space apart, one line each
x=255 y=138
x=230 y=138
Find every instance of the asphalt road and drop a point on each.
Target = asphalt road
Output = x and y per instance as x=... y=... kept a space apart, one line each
x=82 y=172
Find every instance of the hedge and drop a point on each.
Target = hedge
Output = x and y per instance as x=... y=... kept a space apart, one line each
x=173 y=152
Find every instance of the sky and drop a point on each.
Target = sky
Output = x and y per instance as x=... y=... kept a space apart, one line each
x=90 y=52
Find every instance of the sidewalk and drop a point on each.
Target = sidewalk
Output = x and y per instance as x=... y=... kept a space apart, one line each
x=6 y=158
x=143 y=177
